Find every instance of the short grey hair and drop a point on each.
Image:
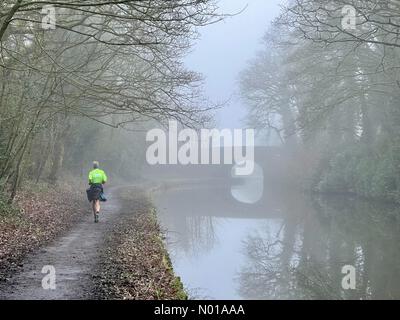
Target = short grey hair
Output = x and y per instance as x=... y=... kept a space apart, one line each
x=95 y=164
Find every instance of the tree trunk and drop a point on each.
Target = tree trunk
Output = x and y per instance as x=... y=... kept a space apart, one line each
x=58 y=158
x=17 y=174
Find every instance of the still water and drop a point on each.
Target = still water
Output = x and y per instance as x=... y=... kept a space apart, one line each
x=225 y=245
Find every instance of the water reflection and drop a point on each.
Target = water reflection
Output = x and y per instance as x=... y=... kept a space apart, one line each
x=283 y=247
x=305 y=260
x=248 y=189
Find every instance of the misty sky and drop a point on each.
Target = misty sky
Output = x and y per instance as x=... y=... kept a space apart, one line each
x=224 y=49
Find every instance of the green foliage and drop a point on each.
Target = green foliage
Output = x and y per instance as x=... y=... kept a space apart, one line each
x=367 y=170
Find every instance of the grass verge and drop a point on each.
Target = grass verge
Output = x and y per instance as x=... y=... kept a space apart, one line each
x=134 y=263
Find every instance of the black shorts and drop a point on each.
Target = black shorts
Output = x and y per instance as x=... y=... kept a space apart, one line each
x=93 y=193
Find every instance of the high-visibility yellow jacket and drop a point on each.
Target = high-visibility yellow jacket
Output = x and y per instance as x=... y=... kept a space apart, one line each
x=97 y=176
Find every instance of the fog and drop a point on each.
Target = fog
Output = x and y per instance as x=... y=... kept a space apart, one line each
x=223 y=50
x=317 y=84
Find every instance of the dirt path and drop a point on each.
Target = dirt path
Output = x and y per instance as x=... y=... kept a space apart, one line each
x=73 y=256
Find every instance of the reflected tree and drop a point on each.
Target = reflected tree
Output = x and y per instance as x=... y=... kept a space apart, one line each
x=332 y=233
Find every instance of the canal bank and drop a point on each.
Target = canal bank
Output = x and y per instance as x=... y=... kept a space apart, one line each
x=134 y=263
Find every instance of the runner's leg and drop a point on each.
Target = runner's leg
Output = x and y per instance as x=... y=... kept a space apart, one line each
x=97 y=206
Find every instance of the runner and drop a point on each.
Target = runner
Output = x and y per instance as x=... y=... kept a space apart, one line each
x=97 y=178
